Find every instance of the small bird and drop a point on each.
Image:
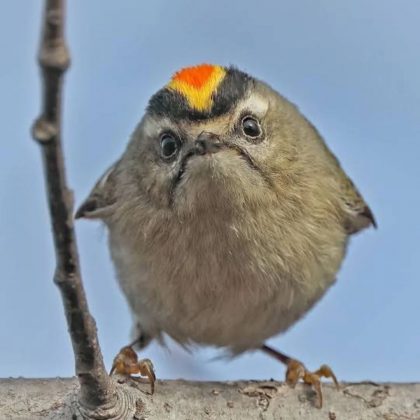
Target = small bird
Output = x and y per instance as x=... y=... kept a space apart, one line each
x=228 y=217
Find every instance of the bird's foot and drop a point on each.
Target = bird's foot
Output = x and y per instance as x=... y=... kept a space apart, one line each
x=127 y=363
x=296 y=370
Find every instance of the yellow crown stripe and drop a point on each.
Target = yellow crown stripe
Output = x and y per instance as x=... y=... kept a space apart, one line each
x=199 y=98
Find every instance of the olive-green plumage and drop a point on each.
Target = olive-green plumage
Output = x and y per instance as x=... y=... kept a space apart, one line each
x=225 y=228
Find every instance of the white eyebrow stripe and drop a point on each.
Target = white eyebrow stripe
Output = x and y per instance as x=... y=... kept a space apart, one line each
x=152 y=125
x=149 y=127
x=255 y=103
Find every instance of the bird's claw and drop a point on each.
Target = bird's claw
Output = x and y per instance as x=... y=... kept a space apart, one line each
x=297 y=370
x=127 y=363
x=146 y=369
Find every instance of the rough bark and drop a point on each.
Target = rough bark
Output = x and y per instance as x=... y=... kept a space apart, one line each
x=182 y=400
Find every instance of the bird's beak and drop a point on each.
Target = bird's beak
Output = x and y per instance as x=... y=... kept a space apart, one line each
x=207 y=143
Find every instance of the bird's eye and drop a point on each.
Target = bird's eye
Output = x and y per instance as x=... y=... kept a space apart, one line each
x=251 y=127
x=169 y=146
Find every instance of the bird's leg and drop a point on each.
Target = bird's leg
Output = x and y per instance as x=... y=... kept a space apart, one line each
x=296 y=370
x=127 y=363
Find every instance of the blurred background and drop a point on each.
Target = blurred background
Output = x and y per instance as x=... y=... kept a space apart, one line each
x=353 y=68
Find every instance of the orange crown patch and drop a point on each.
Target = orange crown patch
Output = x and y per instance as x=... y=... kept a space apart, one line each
x=197 y=84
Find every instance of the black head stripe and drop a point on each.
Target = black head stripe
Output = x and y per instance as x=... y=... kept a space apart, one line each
x=169 y=103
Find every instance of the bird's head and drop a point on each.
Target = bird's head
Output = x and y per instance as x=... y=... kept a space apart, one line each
x=212 y=137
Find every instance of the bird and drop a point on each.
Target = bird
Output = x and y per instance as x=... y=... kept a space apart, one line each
x=228 y=218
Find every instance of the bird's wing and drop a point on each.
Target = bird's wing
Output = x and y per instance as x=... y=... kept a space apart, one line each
x=358 y=214
x=101 y=199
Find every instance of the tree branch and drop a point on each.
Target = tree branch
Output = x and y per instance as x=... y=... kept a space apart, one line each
x=55 y=399
x=98 y=395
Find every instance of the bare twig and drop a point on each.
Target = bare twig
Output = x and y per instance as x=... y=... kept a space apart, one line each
x=98 y=395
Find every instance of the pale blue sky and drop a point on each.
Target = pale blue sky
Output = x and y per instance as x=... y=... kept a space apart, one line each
x=352 y=67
